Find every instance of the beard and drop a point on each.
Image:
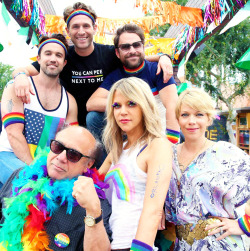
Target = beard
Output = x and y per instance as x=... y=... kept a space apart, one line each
x=50 y=73
x=134 y=64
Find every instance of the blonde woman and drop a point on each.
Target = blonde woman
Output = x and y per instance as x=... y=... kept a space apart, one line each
x=138 y=168
x=209 y=181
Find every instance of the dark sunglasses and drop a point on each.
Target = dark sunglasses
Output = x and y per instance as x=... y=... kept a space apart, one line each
x=126 y=47
x=71 y=154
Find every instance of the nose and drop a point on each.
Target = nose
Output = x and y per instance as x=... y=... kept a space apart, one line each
x=192 y=119
x=132 y=49
x=62 y=156
x=123 y=110
x=53 y=58
x=81 y=30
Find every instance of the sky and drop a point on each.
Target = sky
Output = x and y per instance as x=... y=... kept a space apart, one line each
x=17 y=53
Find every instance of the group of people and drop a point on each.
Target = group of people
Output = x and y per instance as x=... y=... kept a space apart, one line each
x=53 y=197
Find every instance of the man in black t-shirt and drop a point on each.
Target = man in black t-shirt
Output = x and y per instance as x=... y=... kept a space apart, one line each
x=88 y=62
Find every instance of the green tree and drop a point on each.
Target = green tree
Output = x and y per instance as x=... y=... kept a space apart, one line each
x=214 y=69
x=5 y=76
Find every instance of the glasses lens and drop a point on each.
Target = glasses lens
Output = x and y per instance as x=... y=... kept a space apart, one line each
x=125 y=47
x=73 y=155
x=56 y=147
x=137 y=45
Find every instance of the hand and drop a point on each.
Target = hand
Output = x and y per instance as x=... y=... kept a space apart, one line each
x=85 y=194
x=162 y=222
x=23 y=88
x=227 y=226
x=165 y=65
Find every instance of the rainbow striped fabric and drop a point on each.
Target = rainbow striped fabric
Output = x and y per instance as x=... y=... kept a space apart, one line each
x=13 y=118
x=173 y=136
x=140 y=246
x=123 y=186
x=244 y=223
x=136 y=70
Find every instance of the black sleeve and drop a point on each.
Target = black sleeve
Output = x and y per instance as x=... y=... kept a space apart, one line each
x=37 y=66
x=106 y=212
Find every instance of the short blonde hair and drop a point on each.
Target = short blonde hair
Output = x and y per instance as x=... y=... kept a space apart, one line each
x=198 y=100
x=138 y=91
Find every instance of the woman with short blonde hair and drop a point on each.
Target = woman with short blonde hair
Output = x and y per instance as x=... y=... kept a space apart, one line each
x=209 y=181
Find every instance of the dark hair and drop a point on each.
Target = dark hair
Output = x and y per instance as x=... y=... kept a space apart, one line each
x=57 y=36
x=129 y=28
x=78 y=6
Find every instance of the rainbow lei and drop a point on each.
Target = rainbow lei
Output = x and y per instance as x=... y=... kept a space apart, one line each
x=35 y=198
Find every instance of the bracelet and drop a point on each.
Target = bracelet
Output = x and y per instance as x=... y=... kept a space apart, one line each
x=140 y=246
x=172 y=135
x=244 y=223
x=166 y=55
x=19 y=73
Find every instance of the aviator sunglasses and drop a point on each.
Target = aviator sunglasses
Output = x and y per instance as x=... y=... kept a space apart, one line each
x=126 y=47
x=71 y=154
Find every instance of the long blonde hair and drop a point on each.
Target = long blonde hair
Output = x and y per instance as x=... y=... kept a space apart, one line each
x=138 y=91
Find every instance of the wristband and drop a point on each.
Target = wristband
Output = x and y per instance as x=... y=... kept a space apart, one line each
x=19 y=73
x=13 y=118
x=172 y=135
x=167 y=56
x=244 y=223
x=140 y=246
x=74 y=124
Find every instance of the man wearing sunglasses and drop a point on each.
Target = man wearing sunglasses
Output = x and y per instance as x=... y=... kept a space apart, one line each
x=88 y=62
x=60 y=197
x=129 y=44
x=29 y=127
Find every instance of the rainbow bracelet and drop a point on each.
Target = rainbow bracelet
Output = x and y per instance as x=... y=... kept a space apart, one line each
x=244 y=223
x=74 y=124
x=140 y=246
x=172 y=135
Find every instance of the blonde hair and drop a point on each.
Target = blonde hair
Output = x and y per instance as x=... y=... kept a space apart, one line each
x=198 y=100
x=138 y=91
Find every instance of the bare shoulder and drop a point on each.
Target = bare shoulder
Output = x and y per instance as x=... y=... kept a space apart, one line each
x=159 y=143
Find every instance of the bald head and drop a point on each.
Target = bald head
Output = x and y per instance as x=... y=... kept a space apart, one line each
x=76 y=138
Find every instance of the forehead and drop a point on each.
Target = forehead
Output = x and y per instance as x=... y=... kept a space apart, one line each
x=118 y=96
x=79 y=20
x=128 y=38
x=53 y=47
x=77 y=139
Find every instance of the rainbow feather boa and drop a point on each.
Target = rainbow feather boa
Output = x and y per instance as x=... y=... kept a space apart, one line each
x=35 y=198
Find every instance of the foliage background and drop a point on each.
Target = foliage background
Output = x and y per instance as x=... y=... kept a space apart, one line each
x=5 y=76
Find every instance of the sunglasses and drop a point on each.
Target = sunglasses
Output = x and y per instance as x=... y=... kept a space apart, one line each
x=135 y=45
x=71 y=154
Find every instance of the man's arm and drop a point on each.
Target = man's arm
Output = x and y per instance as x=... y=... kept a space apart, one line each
x=95 y=237
x=164 y=64
x=169 y=96
x=98 y=100
x=23 y=87
x=9 y=106
x=72 y=112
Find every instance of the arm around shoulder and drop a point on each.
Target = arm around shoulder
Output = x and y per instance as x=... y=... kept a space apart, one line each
x=98 y=100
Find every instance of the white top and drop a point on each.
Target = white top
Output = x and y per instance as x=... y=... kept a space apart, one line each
x=126 y=195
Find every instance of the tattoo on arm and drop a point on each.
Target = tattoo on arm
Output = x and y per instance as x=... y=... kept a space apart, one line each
x=10 y=105
x=156 y=183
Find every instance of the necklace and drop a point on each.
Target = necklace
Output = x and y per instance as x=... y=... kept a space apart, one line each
x=181 y=165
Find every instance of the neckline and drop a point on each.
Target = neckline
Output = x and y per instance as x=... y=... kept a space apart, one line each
x=136 y=70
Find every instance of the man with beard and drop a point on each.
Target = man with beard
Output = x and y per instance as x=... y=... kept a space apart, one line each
x=27 y=128
x=129 y=44
x=89 y=63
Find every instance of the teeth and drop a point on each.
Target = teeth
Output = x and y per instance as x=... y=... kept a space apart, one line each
x=82 y=38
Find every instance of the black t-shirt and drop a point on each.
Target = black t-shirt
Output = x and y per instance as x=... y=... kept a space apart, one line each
x=83 y=75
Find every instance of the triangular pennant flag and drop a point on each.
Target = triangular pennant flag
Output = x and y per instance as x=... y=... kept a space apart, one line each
x=1 y=47
x=34 y=39
x=23 y=31
x=5 y=14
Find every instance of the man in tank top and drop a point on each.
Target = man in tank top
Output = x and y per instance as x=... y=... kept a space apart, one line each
x=28 y=128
